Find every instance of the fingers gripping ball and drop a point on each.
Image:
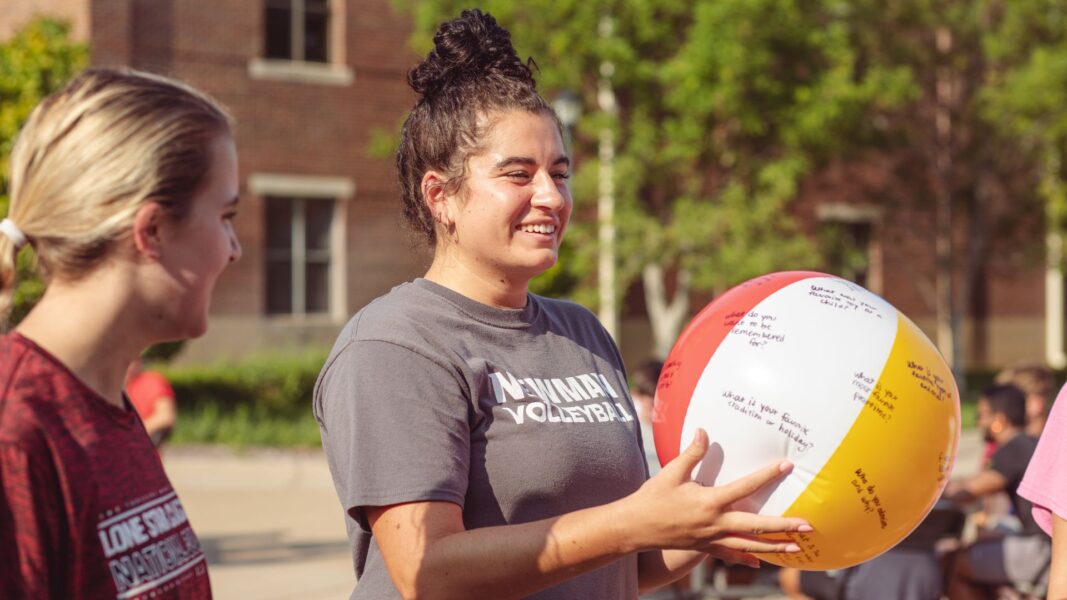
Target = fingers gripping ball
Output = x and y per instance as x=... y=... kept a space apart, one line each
x=818 y=370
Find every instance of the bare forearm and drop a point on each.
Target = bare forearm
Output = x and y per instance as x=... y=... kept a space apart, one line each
x=657 y=568
x=429 y=553
x=162 y=417
x=1057 y=585
x=525 y=558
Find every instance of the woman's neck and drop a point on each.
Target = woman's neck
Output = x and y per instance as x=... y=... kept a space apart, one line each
x=495 y=291
x=90 y=328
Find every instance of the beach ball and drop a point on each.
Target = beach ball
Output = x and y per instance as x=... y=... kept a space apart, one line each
x=815 y=369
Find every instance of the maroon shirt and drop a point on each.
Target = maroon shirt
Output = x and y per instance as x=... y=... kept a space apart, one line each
x=86 y=510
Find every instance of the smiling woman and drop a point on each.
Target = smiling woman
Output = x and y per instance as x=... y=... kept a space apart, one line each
x=481 y=438
x=124 y=185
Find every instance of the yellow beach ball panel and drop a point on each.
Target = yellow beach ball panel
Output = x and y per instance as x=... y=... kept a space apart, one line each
x=891 y=467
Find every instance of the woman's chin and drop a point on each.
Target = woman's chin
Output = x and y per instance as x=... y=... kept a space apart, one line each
x=192 y=330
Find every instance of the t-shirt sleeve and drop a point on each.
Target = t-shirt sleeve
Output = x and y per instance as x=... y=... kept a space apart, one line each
x=1044 y=483
x=396 y=427
x=146 y=390
x=1010 y=461
x=157 y=385
x=30 y=527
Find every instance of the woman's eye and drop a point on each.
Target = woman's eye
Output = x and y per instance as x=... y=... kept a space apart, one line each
x=519 y=175
x=230 y=215
x=561 y=176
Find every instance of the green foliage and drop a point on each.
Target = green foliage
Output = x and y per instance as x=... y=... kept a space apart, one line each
x=843 y=252
x=163 y=352
x=244 y=427
x=383 y=142
x=1026 y=96
x=260 y=401
x=35 y=62
x=724 y=106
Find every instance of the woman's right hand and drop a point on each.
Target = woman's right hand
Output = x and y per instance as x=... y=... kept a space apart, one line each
x=672 y=511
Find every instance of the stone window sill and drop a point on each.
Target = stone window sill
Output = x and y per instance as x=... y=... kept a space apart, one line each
x=300 y=72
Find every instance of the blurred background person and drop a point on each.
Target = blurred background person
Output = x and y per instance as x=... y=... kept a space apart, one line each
x=1038 y=383
x=999 y=558
x=153 y=397
x=643 y=380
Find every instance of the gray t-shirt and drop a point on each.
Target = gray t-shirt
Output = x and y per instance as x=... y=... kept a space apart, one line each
x=515 y=415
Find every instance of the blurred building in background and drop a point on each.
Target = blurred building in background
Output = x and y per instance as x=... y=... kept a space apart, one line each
x=886 y=234
x=313 y=82
x=309 y=83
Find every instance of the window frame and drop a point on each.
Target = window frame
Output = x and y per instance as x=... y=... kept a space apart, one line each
x=854 y=214
x=340 y=190
x=295 y=69
x=300 y=256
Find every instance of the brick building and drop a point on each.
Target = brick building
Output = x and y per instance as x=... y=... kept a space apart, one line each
x=310 y=81
x=1012 y=306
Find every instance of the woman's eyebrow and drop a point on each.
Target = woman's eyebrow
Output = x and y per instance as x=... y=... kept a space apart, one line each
x=528 y=162
x=515 y=160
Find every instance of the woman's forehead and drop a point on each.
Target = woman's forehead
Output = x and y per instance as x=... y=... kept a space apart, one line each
x=517 y=136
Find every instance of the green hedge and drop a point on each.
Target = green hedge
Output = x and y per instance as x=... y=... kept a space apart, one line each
x=262 y=401
x=266 y=401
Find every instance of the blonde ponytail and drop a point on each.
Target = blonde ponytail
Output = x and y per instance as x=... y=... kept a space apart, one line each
x=8 y=268
x=91 y=154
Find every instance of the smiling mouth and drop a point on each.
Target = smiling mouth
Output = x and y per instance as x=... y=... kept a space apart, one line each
x=548 y=229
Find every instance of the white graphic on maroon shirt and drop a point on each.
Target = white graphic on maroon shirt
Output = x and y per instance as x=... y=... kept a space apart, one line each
x=149 y=546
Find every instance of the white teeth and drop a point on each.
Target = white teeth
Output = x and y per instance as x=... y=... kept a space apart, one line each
x=538 y=228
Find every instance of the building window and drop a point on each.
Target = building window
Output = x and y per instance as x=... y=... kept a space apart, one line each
x=298 y=30
x=849 y=240
x=298 y=254
x=845 y=248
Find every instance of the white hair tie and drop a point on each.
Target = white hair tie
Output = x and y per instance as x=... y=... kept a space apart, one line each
x=13 y=233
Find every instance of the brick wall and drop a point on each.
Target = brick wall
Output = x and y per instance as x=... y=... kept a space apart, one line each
x=283 y=127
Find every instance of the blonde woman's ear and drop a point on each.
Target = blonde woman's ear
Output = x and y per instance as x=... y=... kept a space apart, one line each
x=146 y=230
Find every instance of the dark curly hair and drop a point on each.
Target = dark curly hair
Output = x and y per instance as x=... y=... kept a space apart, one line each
x=472 y=71
x=1008 y=400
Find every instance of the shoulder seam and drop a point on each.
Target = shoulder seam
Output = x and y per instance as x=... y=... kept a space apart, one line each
x=414 y=351
x=9 y=383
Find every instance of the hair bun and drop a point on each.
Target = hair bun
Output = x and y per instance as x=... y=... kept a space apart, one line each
x=469 y=49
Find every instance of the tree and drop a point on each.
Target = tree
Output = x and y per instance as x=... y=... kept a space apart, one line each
x=980 y=108
x=36 y=61
x=722 y=107
x=1026 y=100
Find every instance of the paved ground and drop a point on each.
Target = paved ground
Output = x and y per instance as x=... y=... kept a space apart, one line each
x=271 y=524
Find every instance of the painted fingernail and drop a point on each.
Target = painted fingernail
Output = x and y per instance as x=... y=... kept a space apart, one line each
x=792 y=548
x=805 y=528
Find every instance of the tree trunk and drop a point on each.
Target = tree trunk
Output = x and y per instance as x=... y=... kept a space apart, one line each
x=976 y=283
x=1054 y=284
x=665 y=316
x=947 y=316
x=608 y=304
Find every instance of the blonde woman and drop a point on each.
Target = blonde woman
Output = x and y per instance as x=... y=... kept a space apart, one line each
x=124 y=185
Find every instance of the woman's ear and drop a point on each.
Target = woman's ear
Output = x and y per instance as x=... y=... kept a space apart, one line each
x=147 y=236
x=436 y=196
